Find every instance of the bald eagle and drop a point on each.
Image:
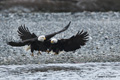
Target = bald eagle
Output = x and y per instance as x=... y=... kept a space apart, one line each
x=40 y=43
x=71 y=44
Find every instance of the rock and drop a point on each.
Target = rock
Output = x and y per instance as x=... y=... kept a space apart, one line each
x=59 y=5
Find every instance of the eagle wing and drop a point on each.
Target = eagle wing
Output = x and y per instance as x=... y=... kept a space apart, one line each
x=75 y=42
x=21 y=43
x=16 y=44
x=24 y=33
x=53 y=34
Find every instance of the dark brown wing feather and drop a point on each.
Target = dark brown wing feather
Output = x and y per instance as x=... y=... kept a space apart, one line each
x=53 y=34
x=16 y=44
x=24 y=33
x=22 y=43
x=75 y=42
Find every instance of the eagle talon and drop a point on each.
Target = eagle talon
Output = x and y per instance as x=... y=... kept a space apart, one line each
x=48 y=51
x=55 y=53
x=32 y=54
x=39 y=53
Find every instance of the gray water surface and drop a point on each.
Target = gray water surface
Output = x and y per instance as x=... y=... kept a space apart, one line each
x=82 y=71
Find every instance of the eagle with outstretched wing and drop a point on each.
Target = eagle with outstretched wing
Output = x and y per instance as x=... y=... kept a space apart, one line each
x=71 y=44
x=40 y=43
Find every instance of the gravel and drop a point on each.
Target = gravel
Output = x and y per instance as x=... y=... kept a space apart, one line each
x=103 y=29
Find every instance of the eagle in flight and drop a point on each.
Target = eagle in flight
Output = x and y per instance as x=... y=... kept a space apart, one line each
x=71 y=44
x=39 y=43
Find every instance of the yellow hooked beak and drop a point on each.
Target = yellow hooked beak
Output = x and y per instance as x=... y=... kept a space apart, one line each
x=44 y=38
x=52 y=41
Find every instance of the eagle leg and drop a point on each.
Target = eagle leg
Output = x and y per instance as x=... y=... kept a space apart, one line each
x=32 y=54
x=39 y=52
x=47 y=51
x=56 y=53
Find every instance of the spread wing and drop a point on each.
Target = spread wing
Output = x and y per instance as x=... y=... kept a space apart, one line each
x=53 y=34
x=24 y=33
x=21 y=43
x=16 y=44
x=75 y=42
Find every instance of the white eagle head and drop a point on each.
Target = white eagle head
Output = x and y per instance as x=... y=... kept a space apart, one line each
x=41 y=38
x=53 y=40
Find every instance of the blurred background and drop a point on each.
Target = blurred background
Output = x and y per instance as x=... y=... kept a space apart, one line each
x=59 y=5
x=99 y=59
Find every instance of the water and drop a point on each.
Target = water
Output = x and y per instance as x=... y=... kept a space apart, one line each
x=58 y=5
x=103 y=46
x=82 y=71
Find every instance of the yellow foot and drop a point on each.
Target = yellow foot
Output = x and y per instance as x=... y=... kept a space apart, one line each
x=39 y=53
x=47 y=51
x=55 y=53
x=32 y=54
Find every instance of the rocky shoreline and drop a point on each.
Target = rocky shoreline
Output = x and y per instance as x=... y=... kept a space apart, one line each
x=103 y=29
x=59 y=5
